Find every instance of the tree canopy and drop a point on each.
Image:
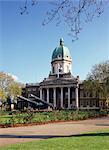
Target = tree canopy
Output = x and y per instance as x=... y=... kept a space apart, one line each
x=98 y=79
x=8 y=86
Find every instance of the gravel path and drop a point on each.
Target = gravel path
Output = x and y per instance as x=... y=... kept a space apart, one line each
x=40 y=132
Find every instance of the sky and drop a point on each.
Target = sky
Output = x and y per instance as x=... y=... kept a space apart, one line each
x=26 y=46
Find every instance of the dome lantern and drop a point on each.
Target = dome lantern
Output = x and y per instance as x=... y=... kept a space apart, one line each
x=61 y=57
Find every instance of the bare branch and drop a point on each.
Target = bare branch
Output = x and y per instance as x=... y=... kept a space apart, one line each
x=73 y=13
x=24 y=9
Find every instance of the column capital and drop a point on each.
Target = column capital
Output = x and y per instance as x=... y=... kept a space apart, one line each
x=77 y=86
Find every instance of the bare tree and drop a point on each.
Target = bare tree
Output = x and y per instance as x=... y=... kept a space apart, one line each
x=73 y=12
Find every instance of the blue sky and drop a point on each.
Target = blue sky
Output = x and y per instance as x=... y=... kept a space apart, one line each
x=26 y=46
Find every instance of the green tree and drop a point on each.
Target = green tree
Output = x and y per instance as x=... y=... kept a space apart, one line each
x=5 y=81
x=8 y=86
x=100 y=72
x=14 y=89
x=98 y=80
x=2 y=94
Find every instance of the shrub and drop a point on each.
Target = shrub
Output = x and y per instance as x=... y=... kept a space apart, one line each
x=43 y=117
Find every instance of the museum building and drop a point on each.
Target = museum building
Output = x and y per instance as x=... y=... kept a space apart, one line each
x=61 y=88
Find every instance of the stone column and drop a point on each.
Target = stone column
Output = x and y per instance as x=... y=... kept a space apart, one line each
x=43 y=95
x=77 y=100
x=40 y=93
x=61 y=97
x=48 y=95
x=54 y=97
x=69 y=98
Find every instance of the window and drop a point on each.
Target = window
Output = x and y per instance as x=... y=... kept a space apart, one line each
x=81 y=93
x=73 y=94
x=59 y=56
x=34 y=89
x=91 y=103
x=87 y=103
x=84 y=103
x=84 y=94
x=94 y=102
x=53 y=70
x=81 y=102
x=29 y=90
x=91 y=94
x=101 y=103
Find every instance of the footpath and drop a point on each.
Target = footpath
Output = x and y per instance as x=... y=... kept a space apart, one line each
x=41 y=132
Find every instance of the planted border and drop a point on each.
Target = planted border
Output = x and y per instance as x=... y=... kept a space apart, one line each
x=32 y=118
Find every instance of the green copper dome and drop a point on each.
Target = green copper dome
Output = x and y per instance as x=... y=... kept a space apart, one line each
x=61 y=52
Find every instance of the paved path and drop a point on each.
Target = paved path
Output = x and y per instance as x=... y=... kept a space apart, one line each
x=40 y=132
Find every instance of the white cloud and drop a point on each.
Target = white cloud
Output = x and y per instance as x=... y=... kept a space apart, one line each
x=13 y=76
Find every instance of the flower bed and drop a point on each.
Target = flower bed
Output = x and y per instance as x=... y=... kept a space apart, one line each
x=36 y=118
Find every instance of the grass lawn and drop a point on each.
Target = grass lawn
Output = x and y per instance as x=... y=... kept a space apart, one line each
x=89 y=141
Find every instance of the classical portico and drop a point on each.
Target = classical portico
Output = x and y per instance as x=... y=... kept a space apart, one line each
x=61 y=92
x=64 y=97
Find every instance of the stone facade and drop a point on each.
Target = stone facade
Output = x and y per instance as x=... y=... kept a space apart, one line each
x=61 y=88
x=61 y=92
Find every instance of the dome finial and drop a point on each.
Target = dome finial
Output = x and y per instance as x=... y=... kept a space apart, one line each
x=61 y=42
